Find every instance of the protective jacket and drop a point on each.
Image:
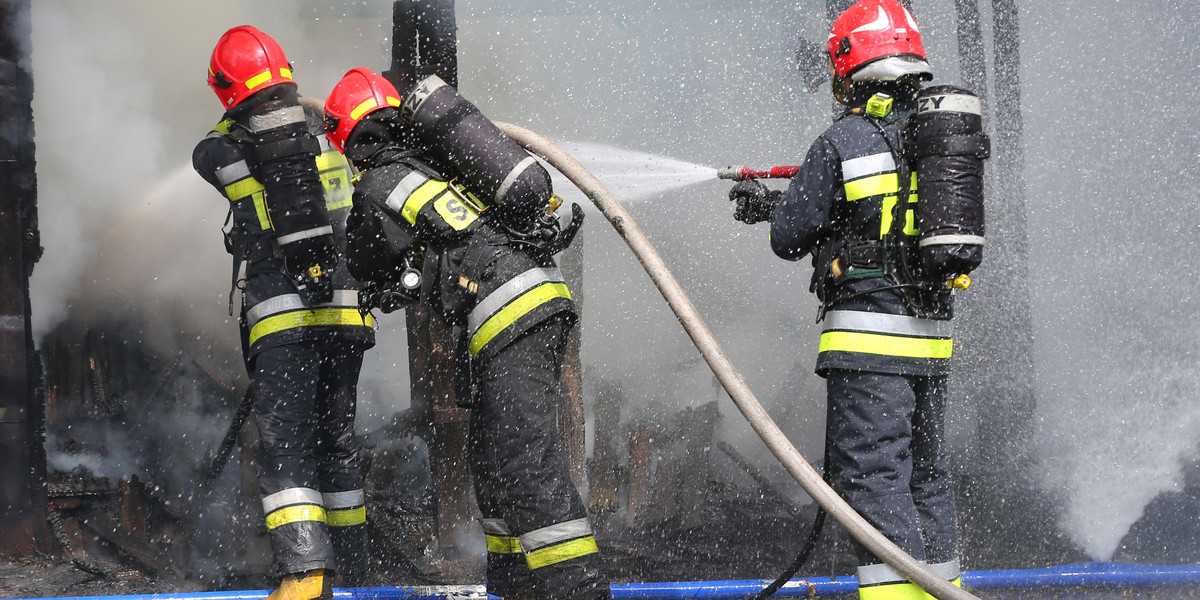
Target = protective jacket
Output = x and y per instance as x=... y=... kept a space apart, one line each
x=504 y=293
x=885 y=366
x=841 y=206
x=273 y=313
x=484 y=279
x=304 y=360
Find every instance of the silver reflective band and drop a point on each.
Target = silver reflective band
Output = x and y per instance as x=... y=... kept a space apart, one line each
x=868 y=165
x=304 y=235
x=890 y=324
x=512 y=176
x=948 y=570
x=404 y=189
x=233 y=172
x=287 y=302
x=559 y=532
x=277 y=118
x=944 y=240
x=506 y=293
x=348 y=499
x=495 y=527
x=960 y=103
x=290 y=497
x=879 y=574
x=419 y=95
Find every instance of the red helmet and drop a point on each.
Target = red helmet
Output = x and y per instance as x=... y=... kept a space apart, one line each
x=360 y=93
x=871 y=30
x=244 y=61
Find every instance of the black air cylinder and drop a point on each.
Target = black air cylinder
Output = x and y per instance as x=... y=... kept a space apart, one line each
x=945 y=144
x=497 y=169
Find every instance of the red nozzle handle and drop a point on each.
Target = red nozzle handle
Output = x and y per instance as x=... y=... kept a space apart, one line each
x=742 y=173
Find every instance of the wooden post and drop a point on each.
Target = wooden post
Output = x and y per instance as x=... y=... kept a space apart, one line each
x=23 y=470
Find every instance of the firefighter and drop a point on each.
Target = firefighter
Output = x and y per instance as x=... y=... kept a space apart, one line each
x=489 y=273
x=303 y=336
x=886 y=341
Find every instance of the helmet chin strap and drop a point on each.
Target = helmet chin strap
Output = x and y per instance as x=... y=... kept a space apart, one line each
x=841 y=89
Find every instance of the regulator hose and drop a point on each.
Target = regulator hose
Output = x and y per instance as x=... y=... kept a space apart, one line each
x=728 y=375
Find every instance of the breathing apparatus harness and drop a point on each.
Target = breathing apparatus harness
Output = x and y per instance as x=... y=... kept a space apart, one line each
x=925 y=275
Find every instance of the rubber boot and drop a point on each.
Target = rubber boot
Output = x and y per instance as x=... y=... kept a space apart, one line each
x=309 y=585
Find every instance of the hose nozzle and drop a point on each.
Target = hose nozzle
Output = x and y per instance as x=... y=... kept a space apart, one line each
x=743 y=173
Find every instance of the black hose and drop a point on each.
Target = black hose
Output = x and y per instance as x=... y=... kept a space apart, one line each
x=810 y=544
x=231 y=436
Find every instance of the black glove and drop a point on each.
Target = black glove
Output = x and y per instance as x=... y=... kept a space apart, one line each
x=310 y=263
x=754 y=201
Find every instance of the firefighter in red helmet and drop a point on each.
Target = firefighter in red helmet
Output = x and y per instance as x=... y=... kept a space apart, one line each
x=492 y=278
x=886 y=342
x=303 y=334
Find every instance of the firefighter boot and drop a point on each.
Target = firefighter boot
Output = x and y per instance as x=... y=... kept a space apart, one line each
x=309 y=585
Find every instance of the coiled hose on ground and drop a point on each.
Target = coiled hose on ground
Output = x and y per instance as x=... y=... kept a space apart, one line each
x=728 y=375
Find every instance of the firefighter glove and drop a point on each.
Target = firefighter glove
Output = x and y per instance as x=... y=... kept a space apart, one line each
x=754 y=201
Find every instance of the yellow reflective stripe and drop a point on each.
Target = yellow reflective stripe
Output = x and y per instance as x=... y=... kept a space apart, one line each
x=285 y=73
x=502 y=544
x=346 y=517
x=419 y=198
x=240 y=189
x=250 y=187
x=335 y=177
x=875 y=185
x=515 y=310
x=223 y=126
x=362 y=108
x=260 y=79
x=892 y=591
x=295 y=514
x=888 y=345
x=307 y=318
x=456 y=214
x=543 y=557
x=910 y=217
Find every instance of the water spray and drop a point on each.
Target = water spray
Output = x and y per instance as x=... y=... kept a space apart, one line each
x=744 y=173
x=728 y=375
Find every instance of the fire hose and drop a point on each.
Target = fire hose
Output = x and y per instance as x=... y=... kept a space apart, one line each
x=730 y=378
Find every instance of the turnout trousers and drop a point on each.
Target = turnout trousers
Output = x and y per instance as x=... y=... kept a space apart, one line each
x=308 y=463
x=887 y=460
x=540 y=542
